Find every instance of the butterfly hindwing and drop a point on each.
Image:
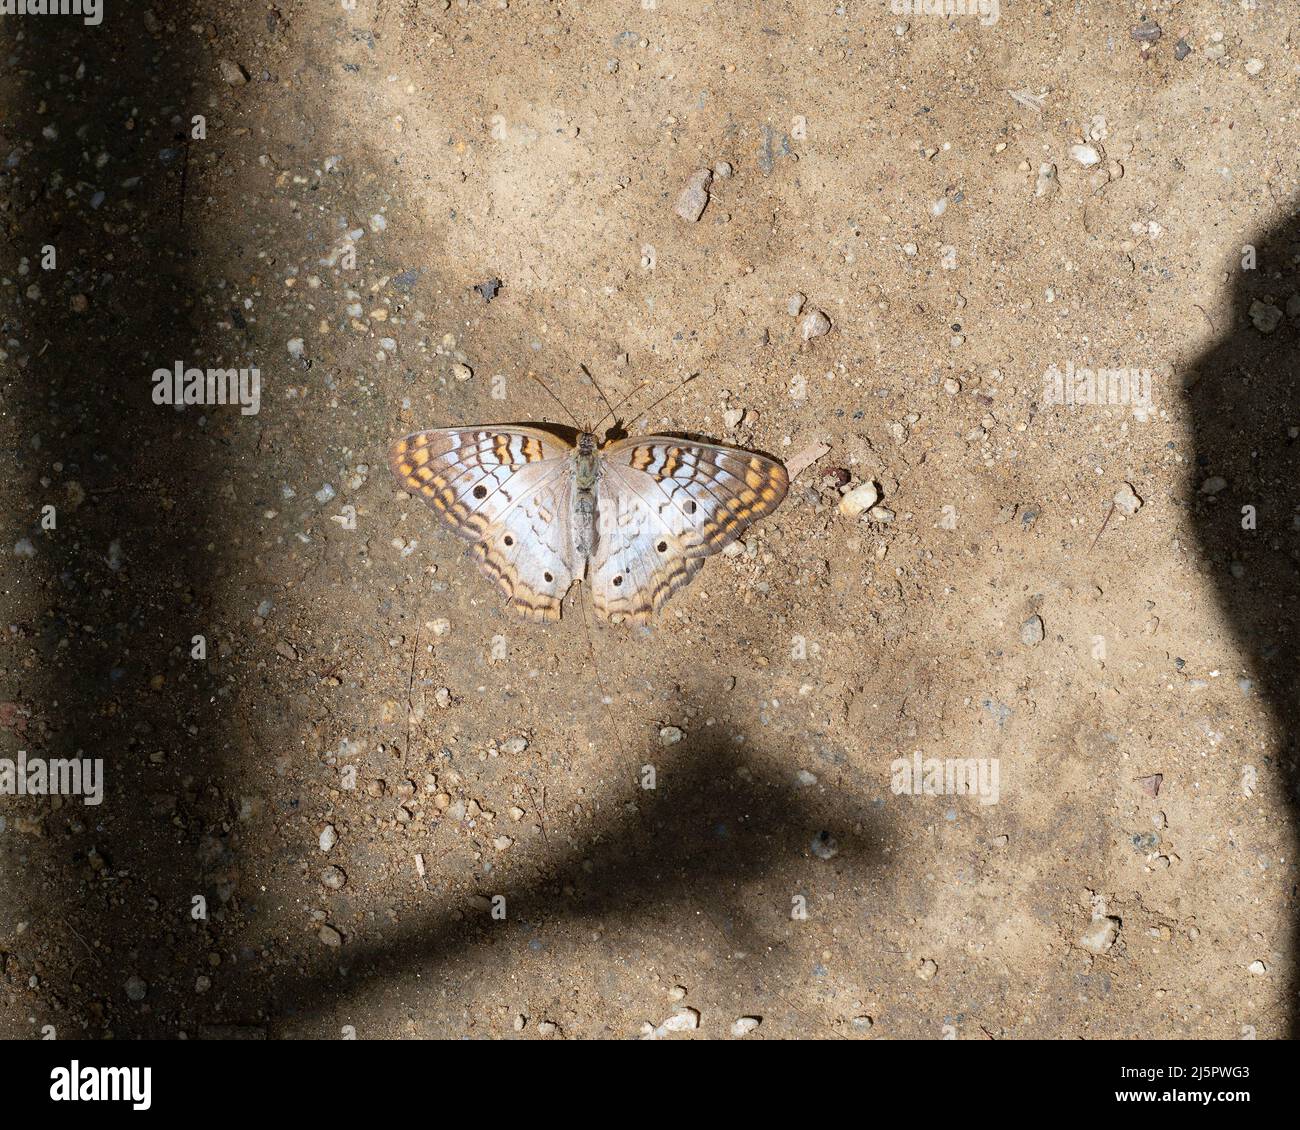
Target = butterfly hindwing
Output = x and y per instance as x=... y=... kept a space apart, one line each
x=505 y=490
x=665 y=504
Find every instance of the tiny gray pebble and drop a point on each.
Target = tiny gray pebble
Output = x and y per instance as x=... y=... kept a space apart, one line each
x=825 y=846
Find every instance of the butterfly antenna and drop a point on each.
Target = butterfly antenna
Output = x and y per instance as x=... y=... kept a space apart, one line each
x=671 y=392
x=620 y=404
x=557 y=401
x=587 y=373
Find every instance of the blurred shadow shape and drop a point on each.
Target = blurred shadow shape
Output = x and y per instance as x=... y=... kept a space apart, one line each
x=702 y=844
x=1244 y=400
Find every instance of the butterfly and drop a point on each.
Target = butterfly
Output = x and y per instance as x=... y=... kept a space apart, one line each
x=635 y=517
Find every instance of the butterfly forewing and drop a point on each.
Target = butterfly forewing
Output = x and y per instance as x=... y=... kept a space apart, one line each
x=506 y=490
x=665 y=504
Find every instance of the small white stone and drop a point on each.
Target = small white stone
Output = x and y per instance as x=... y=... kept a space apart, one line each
x=1127 y=500
x=816 y=325
x=861 y=498
x=745 y=1025
x=1100 y=935
x=1047 y=182
x=683 y=1020
x=670 y=735
x=328 y=837
x=1086 y=155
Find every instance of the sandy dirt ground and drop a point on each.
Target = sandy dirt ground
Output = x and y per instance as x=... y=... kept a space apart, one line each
x=399 y=210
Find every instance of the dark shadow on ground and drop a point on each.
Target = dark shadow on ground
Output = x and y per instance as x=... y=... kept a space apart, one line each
x=1245 y=406
x=93 y=162
x=693 y=856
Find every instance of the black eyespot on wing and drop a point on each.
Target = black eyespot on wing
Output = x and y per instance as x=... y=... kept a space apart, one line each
x=480 y=491
x=549 y=577
x=617 y=581
x=662 y=547
x=508 y=540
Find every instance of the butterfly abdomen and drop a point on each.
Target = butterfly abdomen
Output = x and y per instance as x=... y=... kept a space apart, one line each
x=586 y=473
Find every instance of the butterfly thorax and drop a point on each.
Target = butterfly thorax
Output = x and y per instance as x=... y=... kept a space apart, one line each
x=585 y=460
x=586 y=473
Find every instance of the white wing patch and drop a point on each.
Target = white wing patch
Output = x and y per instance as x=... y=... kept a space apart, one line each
x=663 y=506
x=507 y=492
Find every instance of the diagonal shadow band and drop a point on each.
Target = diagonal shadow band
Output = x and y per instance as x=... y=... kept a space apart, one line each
x=712 y=841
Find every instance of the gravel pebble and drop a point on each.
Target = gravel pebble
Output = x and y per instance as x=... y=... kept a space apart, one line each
x=1100 y=935
x=1047 y=182
x=1265 y=316
x=1127 y=500
x=824 y=846
x=861 y=498
x=694 y=197
x=816 y=325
